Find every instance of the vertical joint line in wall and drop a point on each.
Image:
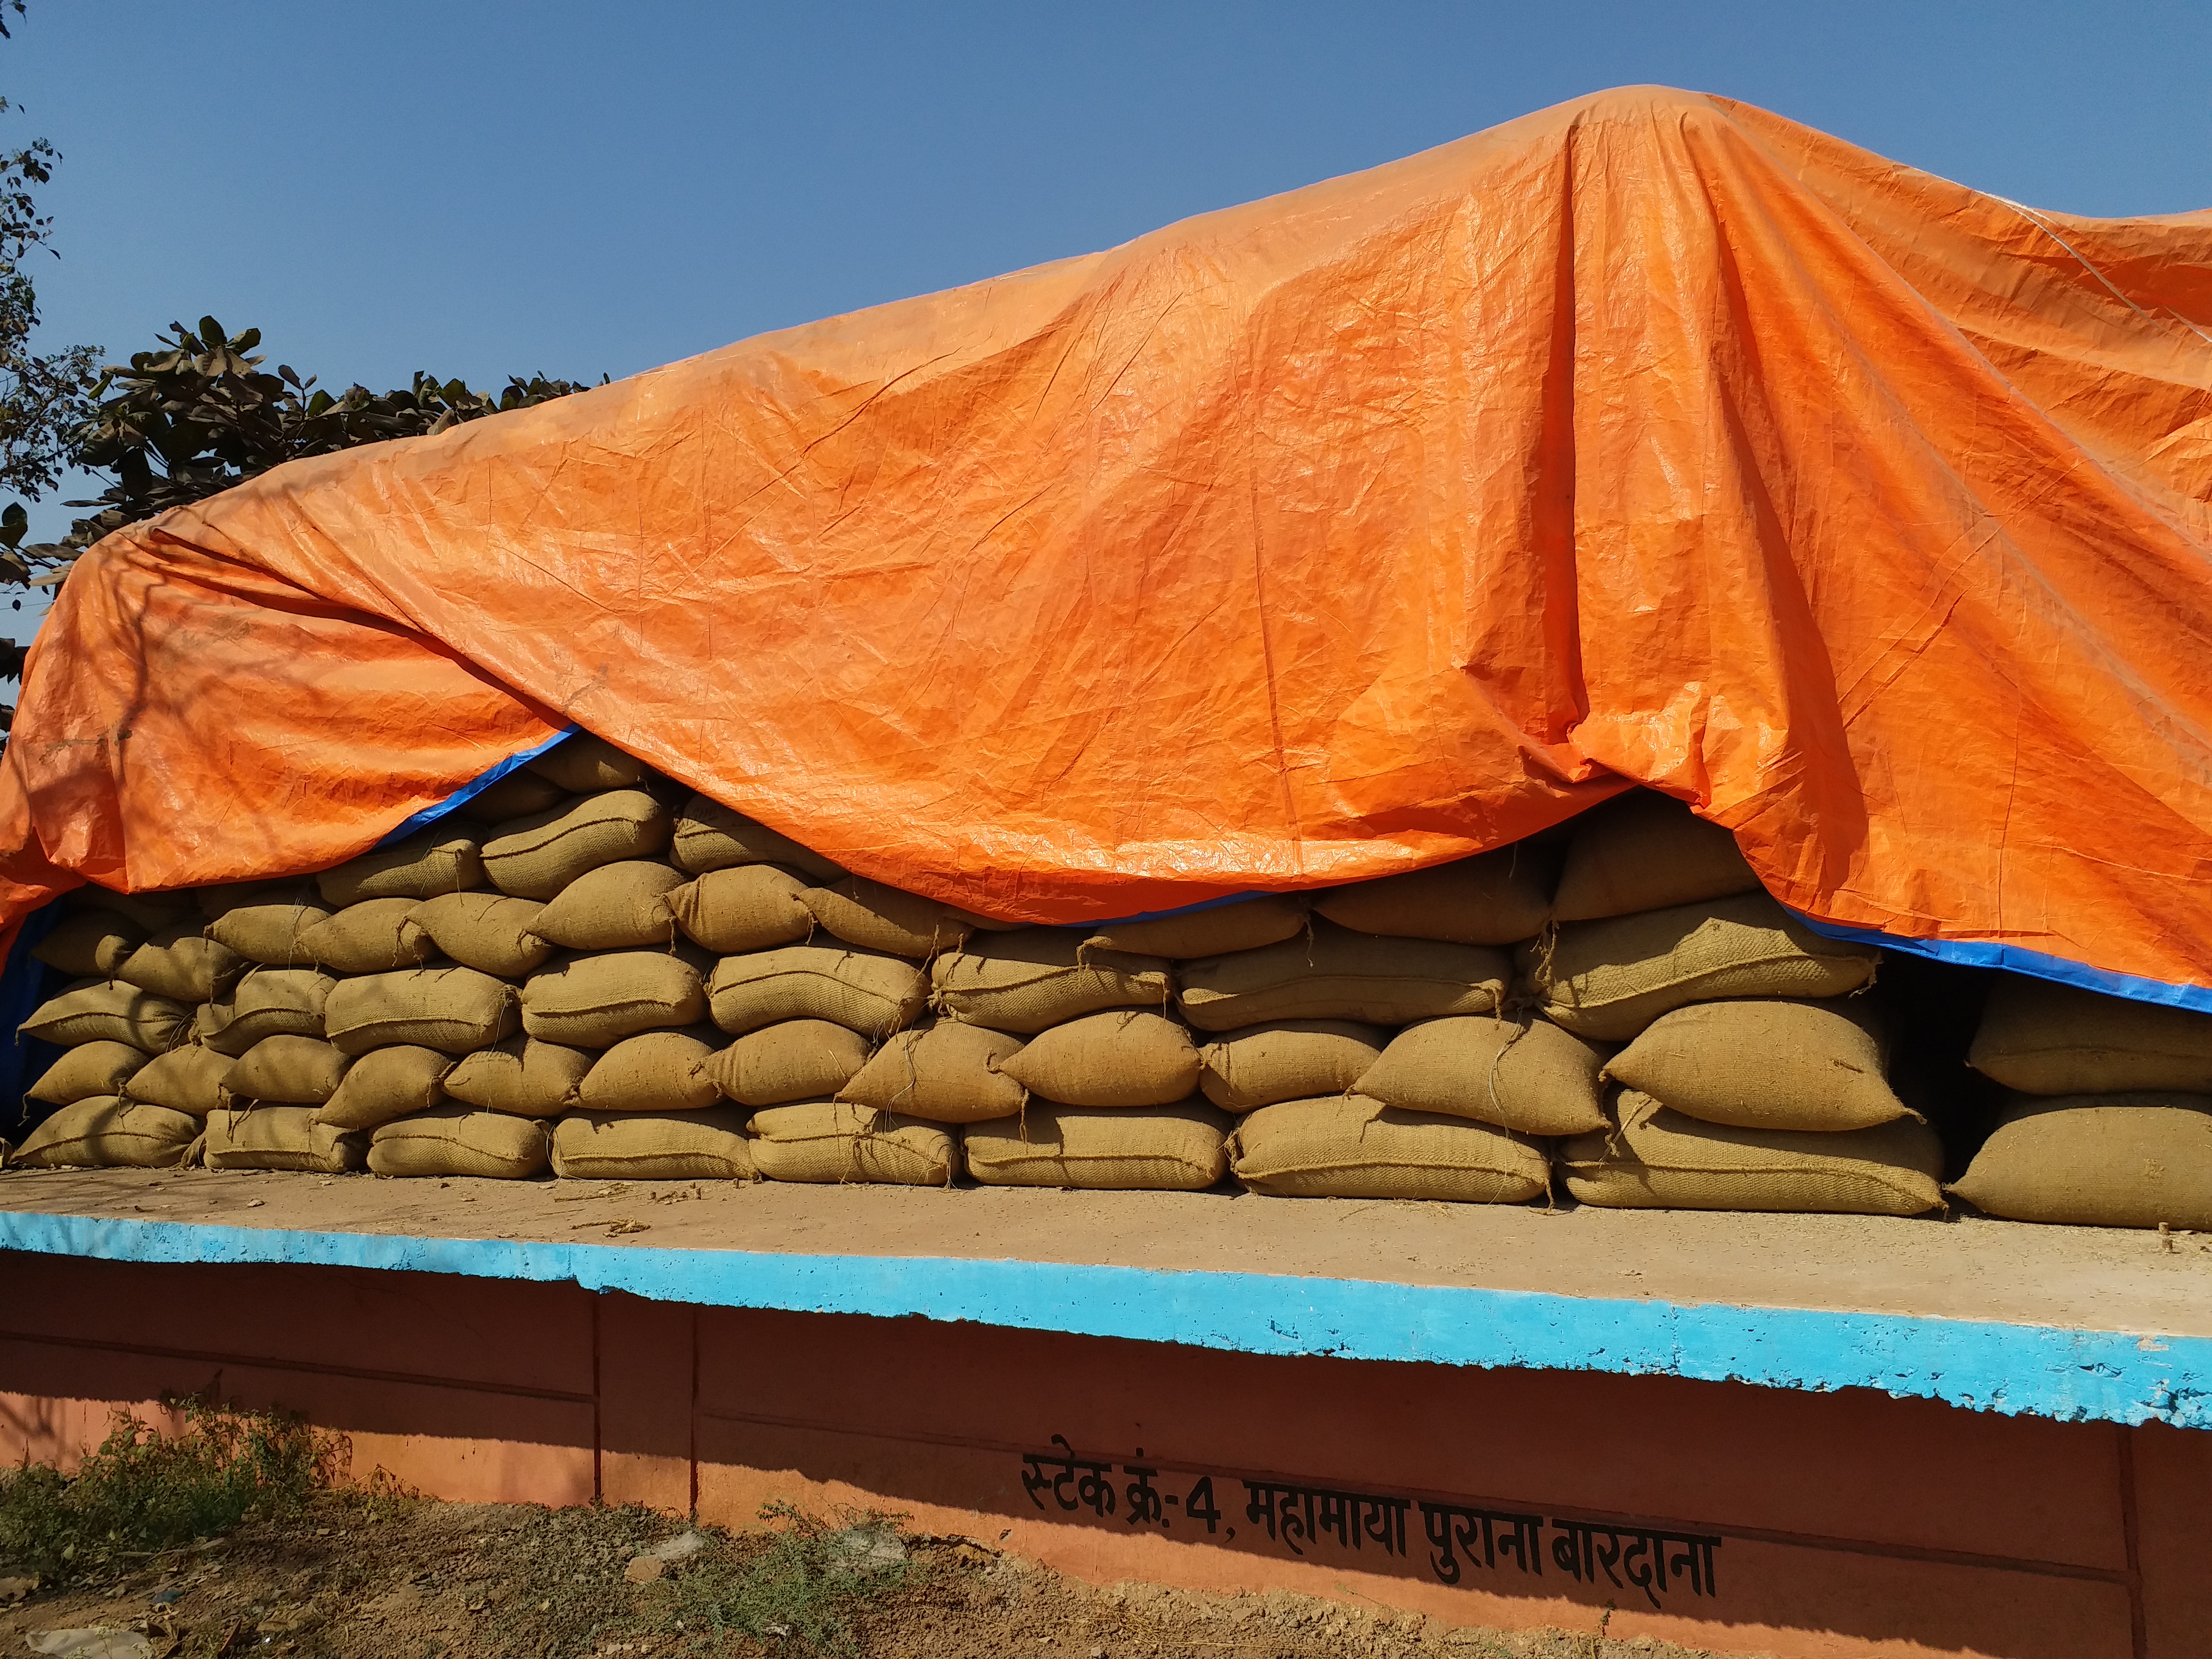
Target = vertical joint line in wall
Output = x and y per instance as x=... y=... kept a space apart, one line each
x=599 y=1435
x=691 y=1423
x=2138 y=1624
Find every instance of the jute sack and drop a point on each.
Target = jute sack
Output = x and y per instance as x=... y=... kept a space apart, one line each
x=371 y=937
x=1246 y=925
x=148 y=912
x=864 y=990
x=1287 y=1060
x=1173 y=1149
x=1492 y=898
x=103 y=1133
x=708 y=1145
x=584 y=763
x=2135 y=1158
x=2044 y=1038
x=183 y=963
x=1024 y=981
x=711 y=836
x=214 y=902
x=942 y=1072
x=111 y=1013
x=1609 y=980
x=188 y=1079
x=487 y=932
x=1533 y=1078
x=1766 y=1064
x=278 y=1137
x=793 y=1060
x=517 y=795
x=594 y=1002
x=88 y=1069
x=879 y=918
x=270 y=1002
x=652 y=1072
x=1645 y=851
x=1340 y=974
x=441 y=858
x=286 y=1071
x=1659 y=1159
x=456 y=1010
x=745 y=908
x=536 y=856
x=1124 y=1057
x=453 y=1140
x=521 y=1076
x=830 y=1140
x=385 y=1084
x=1351 y=1147
x=616 y=907
x=90 y=943
x=272 y=931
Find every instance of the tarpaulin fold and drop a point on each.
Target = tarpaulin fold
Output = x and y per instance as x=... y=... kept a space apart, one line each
x=1649 y=439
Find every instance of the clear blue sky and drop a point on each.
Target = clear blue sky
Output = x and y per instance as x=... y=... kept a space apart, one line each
x=482 y=188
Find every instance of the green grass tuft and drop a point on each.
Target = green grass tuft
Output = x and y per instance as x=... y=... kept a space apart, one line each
x=802 y=1593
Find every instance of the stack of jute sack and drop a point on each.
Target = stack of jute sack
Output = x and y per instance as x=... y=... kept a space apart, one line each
x=1751 y=1073
x=2109 y=1123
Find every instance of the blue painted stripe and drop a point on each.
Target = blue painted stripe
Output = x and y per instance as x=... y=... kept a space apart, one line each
x=2017 y=1370
x=1993 y=953
x=468 y=791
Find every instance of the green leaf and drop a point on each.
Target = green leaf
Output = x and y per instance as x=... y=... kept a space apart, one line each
x=211 y=335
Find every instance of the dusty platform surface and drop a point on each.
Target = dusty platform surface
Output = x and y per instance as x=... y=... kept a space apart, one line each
x=1971 y=1268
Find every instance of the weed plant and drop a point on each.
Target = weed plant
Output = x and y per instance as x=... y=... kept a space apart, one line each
x=803 y=1593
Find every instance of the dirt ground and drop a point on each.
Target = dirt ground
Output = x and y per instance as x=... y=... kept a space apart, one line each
x=363 y=1575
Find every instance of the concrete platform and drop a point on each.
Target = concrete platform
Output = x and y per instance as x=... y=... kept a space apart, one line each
x=2070 y=1323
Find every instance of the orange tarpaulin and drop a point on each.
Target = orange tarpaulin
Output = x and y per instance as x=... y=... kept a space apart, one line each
x=1650 y=437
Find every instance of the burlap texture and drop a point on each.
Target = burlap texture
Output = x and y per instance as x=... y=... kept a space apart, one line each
x=709 y=1145
x=183 y=963
x=943 y=1073
x=268 y=1002
x=652 y=1072
x=1661 y=1160
x=278 y=1137
x=831 y=1141
x=91 y=943
x=517 y=795
x=455 y=1140
x=1023 y=981
x=1645 y=851
x=584 y=763
x=455 y=1010
x=104 y=1133
x=594 y=1002
x=104 y=1067
x=188 y=1079
x=712 y=836
x=1244 y=926
x=793 y=1060
x=272 y=931
x=536 y=856
x=1287 y=1060
x=487 y=932
x=372 y=937
x=2043 y=1038
x=1351 y=1147
x=112 y=1012
x=1766 y=1064
x=439 y=859
x=1123 y=1057
x=1494 y=898
x=617 y=907
x=286 y=1071
x=148 y=912
x=871 y=992
x=2129 y=1159
x=1527 y=1076
x=385 y=1084
x=1608 y=980
x=743 y=908
x=521 y=1076
x=1175 y=1148
x=879 y=918
x=1337 y=974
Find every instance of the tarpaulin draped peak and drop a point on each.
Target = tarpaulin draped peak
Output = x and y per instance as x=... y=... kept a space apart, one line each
x=1650 y=438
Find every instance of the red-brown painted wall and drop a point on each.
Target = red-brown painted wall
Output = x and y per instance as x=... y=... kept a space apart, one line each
x=1848 y=1523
